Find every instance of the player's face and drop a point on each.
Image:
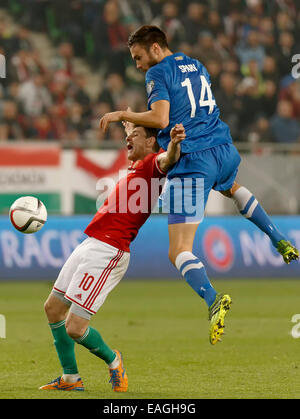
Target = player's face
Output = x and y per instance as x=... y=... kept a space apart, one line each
x=144 y=59
x=136 y=144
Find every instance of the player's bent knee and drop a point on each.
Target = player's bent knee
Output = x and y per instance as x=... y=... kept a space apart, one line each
x=49 y=306
x=75 y=331
x=55 y=309
x=76 y=326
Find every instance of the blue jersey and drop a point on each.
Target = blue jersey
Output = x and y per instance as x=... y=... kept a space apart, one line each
x=185 y=83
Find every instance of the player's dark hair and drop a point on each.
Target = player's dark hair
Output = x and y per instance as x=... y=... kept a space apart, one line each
x=152 y=132
x=147 y=35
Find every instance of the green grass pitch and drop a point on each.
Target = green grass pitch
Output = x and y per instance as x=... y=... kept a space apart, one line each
x=161 y=327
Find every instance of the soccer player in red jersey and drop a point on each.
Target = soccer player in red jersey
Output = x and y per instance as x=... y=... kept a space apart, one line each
x=98 y=264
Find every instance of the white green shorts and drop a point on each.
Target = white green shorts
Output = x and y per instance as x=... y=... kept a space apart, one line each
x=90 y=273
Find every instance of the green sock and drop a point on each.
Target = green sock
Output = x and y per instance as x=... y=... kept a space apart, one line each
x=64 y=347
x=93 y=341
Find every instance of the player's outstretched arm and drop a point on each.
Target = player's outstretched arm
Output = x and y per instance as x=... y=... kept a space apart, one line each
x=168 y=158
x=157 y=117
x=128 y=126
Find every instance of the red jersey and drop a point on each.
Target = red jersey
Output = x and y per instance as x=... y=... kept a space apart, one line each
x=127 y=208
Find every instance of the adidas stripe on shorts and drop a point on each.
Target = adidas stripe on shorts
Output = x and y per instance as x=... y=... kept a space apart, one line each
x=90 y=273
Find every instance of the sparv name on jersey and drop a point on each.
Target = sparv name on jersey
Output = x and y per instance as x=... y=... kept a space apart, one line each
x=187 y=68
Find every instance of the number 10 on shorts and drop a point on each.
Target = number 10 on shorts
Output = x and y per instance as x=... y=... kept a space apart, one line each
x=86 y=282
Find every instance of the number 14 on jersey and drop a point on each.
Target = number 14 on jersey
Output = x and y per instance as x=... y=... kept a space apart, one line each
x=205 y=89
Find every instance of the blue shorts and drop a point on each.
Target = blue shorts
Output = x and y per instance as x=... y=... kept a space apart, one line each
x=199 y=172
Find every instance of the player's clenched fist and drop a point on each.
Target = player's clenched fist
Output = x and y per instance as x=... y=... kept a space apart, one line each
x=177 y=133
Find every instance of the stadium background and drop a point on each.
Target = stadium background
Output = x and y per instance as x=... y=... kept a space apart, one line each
x=67 y=63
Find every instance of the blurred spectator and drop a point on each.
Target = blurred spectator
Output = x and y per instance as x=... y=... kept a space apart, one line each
x=269 y=99
x=206 y=48
x=7 y=39
x=255 y=8
x=138 y=11
x=270 y=70
x=110 y=38
x=194 y=22
x=12 y=92
x=113 y=91
x=231 y=65
x=42 y=128
x=22 y=39
x=259 y=132
x=233 y=20
x=34 y=96
x=77 y=91
x=251 y=70
x=251 y=50
x=23 y=65
x=225 y=46
x=284 y=23
x=246 y=46
x=10 y=126
x=117 y=94
x=76 y=121
x=35 y=14
x=290 y=90
x=63 y=60
x=58 y=115
x=169 y=22
x=116 y=132
x=185 y=48
x=250 y=108
x=284 y=127
x=215 y=23
x=228 y=101
x=214 y=67
x=267 y=34
x=285 y=50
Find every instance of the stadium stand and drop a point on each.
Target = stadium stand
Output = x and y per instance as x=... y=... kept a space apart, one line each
x=247 y=46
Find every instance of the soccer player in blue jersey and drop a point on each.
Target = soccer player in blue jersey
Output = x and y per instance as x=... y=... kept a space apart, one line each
x=179 y=91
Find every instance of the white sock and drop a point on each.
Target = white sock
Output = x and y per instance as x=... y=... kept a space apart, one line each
x=241 y=197
x=70 y=378
x=115 y=363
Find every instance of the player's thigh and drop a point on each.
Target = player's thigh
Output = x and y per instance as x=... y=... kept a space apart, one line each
x=228 y=160
x=101 y=269
x=56 y=306
x=69 y=268
x=195 y=173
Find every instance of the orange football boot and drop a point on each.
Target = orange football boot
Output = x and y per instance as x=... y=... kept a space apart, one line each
x=118 y=376
x=60 y=384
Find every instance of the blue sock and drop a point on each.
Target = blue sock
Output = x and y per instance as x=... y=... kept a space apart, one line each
x=251 y=209
x=195 y=275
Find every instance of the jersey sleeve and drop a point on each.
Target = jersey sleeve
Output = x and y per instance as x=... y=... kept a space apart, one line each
x=152 y=166
x=156 y=86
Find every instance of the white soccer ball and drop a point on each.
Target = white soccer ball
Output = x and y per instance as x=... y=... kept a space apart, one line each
x=28 y=214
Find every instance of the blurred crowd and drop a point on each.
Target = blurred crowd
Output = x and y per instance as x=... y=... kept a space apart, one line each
x=247 y=46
